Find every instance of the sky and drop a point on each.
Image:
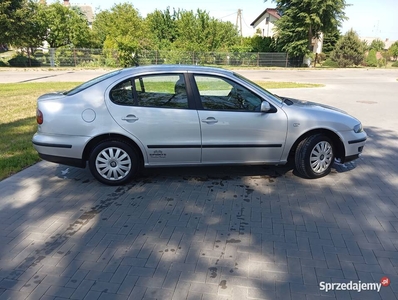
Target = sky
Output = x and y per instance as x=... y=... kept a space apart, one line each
x=368 y=18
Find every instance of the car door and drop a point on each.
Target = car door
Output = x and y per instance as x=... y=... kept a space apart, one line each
x=156 y=111
x=233 y=128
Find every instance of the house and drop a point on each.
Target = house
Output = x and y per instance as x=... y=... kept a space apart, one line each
x=387 y=42
x=87 y=10
x=379 y=54
x=264 y=23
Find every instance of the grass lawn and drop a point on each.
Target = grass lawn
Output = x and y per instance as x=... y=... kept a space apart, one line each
x=18 y=122
x=286 y=85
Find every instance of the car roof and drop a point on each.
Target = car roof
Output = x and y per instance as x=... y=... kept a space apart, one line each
x=176 y=68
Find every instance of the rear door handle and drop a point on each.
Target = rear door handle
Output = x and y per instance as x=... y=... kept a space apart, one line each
x=210 y=120
x=130 y=118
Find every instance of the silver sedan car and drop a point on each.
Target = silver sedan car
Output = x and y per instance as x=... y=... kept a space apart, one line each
x=153 y=116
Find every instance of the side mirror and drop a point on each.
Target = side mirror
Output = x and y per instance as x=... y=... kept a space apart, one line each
x=265 y=106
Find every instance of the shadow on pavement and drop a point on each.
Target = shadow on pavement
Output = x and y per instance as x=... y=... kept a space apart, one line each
x=202 y=233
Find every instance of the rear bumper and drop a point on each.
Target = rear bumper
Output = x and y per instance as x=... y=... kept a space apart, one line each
x=62 y=149
x=74 y=162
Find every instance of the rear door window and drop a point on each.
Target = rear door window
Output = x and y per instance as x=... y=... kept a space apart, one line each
x=161 y=91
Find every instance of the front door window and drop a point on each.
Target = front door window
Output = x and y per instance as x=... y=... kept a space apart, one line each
x=221 y=94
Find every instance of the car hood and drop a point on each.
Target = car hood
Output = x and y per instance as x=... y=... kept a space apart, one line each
x=311 y=114
x=309 y=104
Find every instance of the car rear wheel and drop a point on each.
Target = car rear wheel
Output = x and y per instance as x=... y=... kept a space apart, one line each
x=314 y=156
x=114 y=162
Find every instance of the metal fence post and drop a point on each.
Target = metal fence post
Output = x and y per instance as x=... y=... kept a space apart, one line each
x=52 y=57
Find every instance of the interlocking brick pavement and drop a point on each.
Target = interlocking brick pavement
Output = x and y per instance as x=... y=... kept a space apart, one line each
x=255 y=232
x=200 y=233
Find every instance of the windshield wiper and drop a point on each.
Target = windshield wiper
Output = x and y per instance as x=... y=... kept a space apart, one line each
x=287 y=101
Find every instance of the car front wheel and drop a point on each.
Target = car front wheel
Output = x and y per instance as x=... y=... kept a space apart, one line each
x=314 y=156
x=114 y=162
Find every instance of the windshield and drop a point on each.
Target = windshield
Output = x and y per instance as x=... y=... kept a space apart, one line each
x=91 y=82
x=273 y=96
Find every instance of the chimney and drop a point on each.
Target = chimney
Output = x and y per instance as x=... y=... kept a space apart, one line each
x=66 y=3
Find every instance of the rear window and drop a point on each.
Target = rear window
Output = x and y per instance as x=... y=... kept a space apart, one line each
x=91 y=82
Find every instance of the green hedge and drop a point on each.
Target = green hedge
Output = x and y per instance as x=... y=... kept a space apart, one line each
x=23 y=61
x=328 y=63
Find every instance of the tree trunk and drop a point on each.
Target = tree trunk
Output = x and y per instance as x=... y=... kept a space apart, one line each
x=310 y=35
x=316 y=58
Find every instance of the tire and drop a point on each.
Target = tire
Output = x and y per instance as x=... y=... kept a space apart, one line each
x=314 y=156
x=114 y=162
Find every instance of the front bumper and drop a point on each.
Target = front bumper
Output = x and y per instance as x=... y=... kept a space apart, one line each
x=354 y=145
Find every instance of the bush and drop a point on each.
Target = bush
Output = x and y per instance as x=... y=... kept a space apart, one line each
x=328 y=63
x=3 y=64
x=371 y=60
x=21 y=60
x=94 y=62
x=321 y=58
x=381 y=62
x=349 y=50
x=395 y=64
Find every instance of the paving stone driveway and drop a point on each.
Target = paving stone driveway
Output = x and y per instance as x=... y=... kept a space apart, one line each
x=203 y=233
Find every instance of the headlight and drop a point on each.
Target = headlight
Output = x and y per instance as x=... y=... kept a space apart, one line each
x=358 y=128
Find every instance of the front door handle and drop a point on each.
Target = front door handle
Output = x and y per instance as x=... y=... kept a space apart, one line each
x=130 y=118
x=210 y=120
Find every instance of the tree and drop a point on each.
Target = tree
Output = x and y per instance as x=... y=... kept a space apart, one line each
x=349 y=50
x=377 y=45
x=65 y=26
x=122 y=29
x=27 y=31
x=259 y=44
x=393 y=50
x=32 y=30
x=222 y=35
x=371 y=59
x=301 y=21
x=330 y=40
x=56 y=16
x=10 y=18
x=100 y=28
x=27 y=23
x=197 y=31
x=163 y=25
x=80 y=34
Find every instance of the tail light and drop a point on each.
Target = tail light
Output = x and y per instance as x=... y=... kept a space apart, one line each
x=39 y=117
